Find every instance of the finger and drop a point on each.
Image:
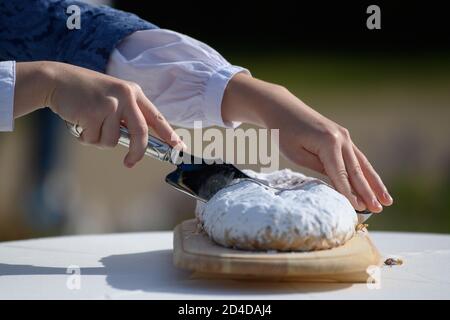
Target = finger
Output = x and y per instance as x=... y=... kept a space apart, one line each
x=335 y=169
x=156 y=120
x=373 y=178
x=358 y=180
x=138 y=131
x=110 y=131
x=91 y=133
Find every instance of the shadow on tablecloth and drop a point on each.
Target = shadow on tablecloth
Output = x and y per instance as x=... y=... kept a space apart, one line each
x=153 y=271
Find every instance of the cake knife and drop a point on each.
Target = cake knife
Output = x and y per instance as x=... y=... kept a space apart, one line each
x=196 y=177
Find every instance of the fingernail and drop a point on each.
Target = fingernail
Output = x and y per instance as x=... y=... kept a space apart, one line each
x=182 y=144
x=376 y=204
x=388 y=197
x=127 y=163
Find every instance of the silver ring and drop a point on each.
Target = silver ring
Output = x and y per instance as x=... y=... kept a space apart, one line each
x=78 y=129
x=75 y=129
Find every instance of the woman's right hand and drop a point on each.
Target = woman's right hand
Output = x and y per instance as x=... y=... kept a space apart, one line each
x=98 y=103
x=307 y=138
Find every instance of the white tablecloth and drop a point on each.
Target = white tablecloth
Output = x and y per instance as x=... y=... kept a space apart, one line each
x=139 y=266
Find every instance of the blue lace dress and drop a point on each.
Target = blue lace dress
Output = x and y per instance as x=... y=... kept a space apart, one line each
x=32 y=30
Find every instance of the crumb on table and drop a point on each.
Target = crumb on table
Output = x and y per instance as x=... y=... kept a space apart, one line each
x=393 y=262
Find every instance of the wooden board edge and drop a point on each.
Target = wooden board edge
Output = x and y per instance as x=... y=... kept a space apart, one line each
x=241 y=269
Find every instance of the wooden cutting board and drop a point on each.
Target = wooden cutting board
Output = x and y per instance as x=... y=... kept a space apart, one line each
x=193 y=250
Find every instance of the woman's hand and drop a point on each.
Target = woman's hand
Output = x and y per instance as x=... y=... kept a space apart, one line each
x=307 y=138
x=98 y=103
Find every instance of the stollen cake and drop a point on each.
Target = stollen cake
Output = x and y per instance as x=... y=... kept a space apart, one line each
x=302 y=214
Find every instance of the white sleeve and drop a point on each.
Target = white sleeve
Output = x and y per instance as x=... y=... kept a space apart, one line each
x=184 y=78
x=7 y=81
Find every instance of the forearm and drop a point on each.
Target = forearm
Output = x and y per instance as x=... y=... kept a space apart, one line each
x=250 y=100
x=33 y=86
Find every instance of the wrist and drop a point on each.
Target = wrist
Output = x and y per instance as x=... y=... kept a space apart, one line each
x=252 y=101
x=238 y=103
x=33 y=86
x=48 y=76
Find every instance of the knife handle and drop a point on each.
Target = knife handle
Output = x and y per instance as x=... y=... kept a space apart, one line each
x=156 y=148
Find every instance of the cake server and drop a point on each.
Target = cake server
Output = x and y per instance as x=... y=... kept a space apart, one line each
x=197 y=177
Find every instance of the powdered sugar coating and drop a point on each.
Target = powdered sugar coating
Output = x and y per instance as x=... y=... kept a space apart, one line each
x=249 y=216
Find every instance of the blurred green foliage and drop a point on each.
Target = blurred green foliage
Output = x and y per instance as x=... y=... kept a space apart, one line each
x=331 y=72
x=418 y=207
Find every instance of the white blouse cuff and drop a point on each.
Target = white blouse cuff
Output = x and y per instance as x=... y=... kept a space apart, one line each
x=7 y=82
x=214 y=91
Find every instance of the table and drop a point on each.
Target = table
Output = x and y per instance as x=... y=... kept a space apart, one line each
x=139 y=266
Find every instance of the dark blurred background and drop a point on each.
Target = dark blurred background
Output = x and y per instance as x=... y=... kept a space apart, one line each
x=389 y=87
x=277 y=26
